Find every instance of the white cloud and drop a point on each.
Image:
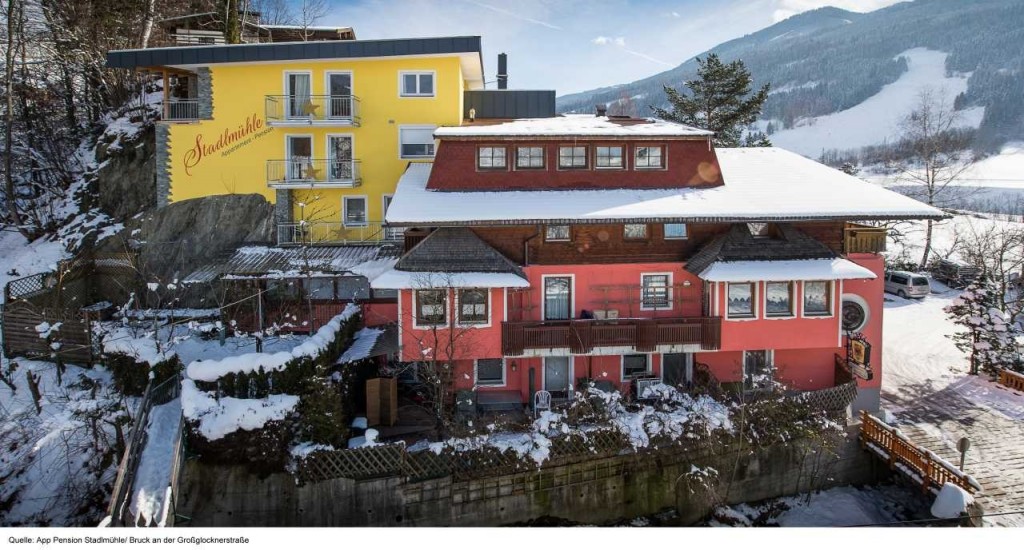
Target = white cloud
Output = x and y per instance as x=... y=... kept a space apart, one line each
x=605 y=40
x=789 y=8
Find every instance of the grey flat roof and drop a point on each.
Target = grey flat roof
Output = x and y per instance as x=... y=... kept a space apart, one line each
x=509 y=103
x=284 y=51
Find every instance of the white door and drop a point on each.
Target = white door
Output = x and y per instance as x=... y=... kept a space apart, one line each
x=299 y=101
x=339 y=87
x=299 y=154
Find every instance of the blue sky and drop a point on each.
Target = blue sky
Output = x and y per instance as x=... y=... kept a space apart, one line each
x=575 y=45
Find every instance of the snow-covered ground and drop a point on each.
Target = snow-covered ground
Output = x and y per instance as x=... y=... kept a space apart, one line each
x=875 y=120
x=152 y=478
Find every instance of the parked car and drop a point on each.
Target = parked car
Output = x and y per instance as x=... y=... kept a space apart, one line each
x=954 y=274
x=906 y=284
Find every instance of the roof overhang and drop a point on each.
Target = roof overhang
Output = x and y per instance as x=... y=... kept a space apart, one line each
x=398 y=280
x=786 y=270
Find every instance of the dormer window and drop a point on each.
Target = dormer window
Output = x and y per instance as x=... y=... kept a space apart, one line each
x=572 y=157
x=649 y=157
x=608 y=157
x=490 y=158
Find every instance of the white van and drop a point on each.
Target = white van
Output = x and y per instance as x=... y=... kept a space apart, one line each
x=906 y=284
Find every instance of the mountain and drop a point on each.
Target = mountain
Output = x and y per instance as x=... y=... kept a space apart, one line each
x=831 y=60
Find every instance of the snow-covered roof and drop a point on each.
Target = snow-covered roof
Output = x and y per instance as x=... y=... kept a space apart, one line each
x=261 y=262
x=396 y=279
x=785 y=270
x=761 y=184
x=575 y=125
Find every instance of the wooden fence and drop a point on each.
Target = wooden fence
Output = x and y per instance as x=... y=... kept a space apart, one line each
x=1012 y=380
x=918 y=463
x=46 y=333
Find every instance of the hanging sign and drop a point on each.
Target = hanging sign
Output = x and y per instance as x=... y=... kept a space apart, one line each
x=858 y=358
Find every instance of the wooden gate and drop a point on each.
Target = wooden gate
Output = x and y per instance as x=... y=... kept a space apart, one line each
x=30 y=331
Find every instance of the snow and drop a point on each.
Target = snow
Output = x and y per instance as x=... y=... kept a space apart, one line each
x=761 y=184
x=875 y=120
x=1005 y=170
x=218 y=418
x=951 y=502
x=361 y=346
x=787 y=270
x=153 y=475
x=395 y=279
x=837 y=507
x=572 y=125
x=211 y=370
x=22 y=258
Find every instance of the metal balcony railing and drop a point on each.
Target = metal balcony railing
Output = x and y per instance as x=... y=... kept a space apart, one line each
x=583 y=335
x=351 y=232
x=313 y=109
x=307 y=172
x=181 y=109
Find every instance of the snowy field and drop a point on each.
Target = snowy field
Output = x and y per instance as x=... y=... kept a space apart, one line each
x=874 y=121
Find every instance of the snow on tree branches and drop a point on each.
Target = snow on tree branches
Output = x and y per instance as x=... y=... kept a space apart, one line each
x=988 y=335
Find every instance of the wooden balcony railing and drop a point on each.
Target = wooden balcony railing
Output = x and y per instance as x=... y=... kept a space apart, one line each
x=864 y=239
x=1012 y=380
x=583 y=335
x=307 y=172
x=917 y=462
x=341 y=110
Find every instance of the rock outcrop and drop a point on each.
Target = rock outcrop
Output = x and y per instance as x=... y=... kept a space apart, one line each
x=125 y=180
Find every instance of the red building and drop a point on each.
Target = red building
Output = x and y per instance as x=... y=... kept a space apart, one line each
x=551 y=250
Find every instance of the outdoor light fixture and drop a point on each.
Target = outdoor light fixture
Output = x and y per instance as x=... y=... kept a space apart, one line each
x=472 y=114
x=513 y=366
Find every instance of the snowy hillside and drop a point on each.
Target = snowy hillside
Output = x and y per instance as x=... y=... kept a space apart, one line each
x=875 y=120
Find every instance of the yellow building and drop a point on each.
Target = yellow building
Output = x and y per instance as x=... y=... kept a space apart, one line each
x=322 y=129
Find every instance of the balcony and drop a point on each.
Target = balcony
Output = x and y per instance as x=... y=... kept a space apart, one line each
x=312 y=173
x=324 y=110
x=336 y=233
x=181 y=110
x=584 y=335
x=863 y=239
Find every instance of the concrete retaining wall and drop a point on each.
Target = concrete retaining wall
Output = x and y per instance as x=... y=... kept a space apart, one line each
x=596 y=492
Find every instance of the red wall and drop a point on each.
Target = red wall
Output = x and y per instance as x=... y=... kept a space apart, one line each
x=690 y=163
x=380 y=313
x=476 y=342
x=778 y=333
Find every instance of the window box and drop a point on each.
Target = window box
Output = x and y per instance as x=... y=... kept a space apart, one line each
x=573 y=157
x=416 y=84
x=741 y=301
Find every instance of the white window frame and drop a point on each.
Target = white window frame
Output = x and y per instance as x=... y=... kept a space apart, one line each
x=344 y=210
x=504 y=374
x=401 y=83
x=405 y=127
x=566 y=240
x=288 y=155
x=458 y=309
x=622 y=366
x=572 y=294
x=287 y=95
x=327 y=92
x=664 y=157
x=792 y=300
x=753 y=301
x=830 y=289
x=416 y=309
x=664 y=232
x=670 y=305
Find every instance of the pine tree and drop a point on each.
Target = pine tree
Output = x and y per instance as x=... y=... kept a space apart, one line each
x=988 y=336
x=720 y=100
x=849 y=168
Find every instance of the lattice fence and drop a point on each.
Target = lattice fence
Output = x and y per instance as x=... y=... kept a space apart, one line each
x=836 y=398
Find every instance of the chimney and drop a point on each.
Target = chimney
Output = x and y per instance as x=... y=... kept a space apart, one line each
x=602 y=109
x=502 y=71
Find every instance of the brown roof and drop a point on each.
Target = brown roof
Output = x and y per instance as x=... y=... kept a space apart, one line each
x=456 y=250
x=781 y=242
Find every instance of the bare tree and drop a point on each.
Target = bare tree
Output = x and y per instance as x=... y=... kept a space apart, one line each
x=147 y=24
x=310 y=12
x=274 y=12
x=14 y=16
x=938 y=155
x=998 y=250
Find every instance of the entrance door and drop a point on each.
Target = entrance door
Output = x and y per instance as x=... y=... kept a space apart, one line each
x=339 y=149
x=677 y=368
x=557 y=298
x=339 y=87
x=300 y=151
x=556 y=376
x=299 y=100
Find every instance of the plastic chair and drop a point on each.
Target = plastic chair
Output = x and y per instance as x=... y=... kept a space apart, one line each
x=541 y=402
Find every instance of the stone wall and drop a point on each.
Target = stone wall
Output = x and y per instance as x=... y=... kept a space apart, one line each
x=124 y=181
x=593 y=492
